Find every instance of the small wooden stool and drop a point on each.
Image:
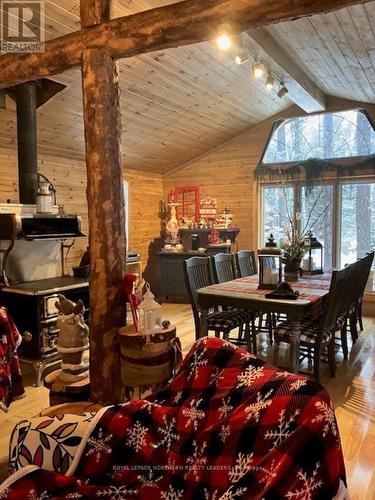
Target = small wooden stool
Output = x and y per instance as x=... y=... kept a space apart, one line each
x=147 y=361
x=66 y=392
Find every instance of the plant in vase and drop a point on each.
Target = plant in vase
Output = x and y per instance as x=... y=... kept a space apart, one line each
x=293 y=252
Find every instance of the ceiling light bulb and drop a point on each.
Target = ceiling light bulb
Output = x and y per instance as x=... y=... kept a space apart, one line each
x=283 y=90
x=270 y=82
x=257 y=69
x=242 y=57
x=224 y=42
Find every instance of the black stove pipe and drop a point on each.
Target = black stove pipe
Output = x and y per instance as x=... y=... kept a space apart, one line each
x=26 y=100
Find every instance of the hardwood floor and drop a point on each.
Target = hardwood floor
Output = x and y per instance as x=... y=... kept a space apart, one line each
x=352 y=392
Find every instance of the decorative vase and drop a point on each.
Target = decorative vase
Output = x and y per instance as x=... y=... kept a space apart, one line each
x=293 y=270
x=291 y=275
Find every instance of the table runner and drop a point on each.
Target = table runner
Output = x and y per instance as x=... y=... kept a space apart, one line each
x=249 y=286
x=302 y=283
x=228 y=426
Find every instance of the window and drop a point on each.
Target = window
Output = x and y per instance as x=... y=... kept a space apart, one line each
x=316 y=208
x=313 y=209
x=278 y=203
x=347 y=227
x=344 y=134
x=357 y=220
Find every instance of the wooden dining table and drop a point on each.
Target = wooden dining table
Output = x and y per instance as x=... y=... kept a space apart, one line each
x=243 y=293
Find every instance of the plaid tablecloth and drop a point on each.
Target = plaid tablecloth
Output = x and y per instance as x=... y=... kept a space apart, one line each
x=228 y=426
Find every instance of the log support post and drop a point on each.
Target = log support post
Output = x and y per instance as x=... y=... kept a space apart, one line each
x=102 y=120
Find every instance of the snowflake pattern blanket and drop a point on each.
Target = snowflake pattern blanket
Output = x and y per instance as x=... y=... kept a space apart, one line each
x=10 y=373
x=228 y=426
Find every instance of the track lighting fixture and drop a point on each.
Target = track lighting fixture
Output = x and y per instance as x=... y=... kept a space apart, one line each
x=242 y=57
x=224 y=42
x=270 y=81
x=224 y=39
x=282 y=91
x=257 y=69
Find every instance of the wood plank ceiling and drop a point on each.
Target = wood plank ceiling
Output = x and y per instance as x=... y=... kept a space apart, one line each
x=179 y=103
x=337 y=50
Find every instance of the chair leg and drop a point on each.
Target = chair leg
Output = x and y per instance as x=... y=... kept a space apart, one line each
x=344 y=342
x=353 y=327
x=317 y=355
x=241 y=331
x=360 y=317
x=270 y=333
x=247 y=336
x=332 y=357
x=253 y=336
x=276 y=347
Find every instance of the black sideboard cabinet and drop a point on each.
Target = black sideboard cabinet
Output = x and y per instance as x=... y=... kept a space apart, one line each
x=171 y=273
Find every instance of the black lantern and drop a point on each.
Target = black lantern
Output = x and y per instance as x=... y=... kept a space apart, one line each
x=270 y=265
x=313 y=259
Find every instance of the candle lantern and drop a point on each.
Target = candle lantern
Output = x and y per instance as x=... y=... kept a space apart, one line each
x=149 y=312
x=313 y=259
x=270 y=265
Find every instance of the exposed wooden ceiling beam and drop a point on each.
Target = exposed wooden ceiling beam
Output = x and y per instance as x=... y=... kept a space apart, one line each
x=302 y=90
x=182 y=23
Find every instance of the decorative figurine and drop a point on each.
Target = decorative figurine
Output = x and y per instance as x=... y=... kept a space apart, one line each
x=172 y=227
x=72 y=340
x=207 y=209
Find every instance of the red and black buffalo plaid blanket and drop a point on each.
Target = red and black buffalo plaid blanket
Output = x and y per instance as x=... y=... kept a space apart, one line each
x=228 y=426
x=10 y=373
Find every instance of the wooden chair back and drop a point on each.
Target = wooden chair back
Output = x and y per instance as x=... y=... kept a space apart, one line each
x=246 y=263
x=361 y=270
x=336 y=305
x=198 y=274
x=224 y=269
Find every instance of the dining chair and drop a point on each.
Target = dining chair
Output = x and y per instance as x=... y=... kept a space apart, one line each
x=198 y=274
x=359 y=318
x=246 y=266
x=224 y=270
x=318 y=334
x=224 y=267
x=361 y=270
x=246 y=263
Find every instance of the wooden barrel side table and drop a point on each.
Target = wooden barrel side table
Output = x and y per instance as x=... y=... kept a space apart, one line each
x=66 y=392
x=148 y=362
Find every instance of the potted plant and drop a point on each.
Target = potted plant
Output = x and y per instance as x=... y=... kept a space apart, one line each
x=293 y=252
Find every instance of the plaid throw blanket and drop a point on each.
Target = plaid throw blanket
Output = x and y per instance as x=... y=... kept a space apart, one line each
x=10 y=373
x=228 y=426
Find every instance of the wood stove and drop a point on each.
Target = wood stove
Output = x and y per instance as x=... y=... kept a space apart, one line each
x=32 y=306
x=33 y=274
